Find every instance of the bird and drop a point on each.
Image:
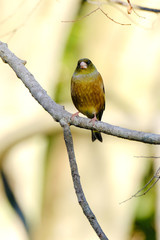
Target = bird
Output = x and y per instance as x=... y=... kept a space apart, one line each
x=88 y=94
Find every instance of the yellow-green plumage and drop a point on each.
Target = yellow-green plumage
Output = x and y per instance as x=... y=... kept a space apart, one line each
x=87 y=91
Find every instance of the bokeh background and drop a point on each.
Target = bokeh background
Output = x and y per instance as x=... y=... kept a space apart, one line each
x=32 y=151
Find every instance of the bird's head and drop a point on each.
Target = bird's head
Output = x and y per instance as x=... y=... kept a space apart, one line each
x=85 y=66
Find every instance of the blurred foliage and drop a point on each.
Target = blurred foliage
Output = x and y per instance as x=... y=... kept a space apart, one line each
x=146 y=227
x=144 y=221
x=72 y=51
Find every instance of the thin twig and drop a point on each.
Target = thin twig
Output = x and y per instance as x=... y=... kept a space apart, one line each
x=135 y=6
x=125 y=4
x=93 y=11
x=126 y=24
x=81 y=18
x=129 y=8
x=139 y=193
x=22 y=24
x=13 y=13
x=77 y=184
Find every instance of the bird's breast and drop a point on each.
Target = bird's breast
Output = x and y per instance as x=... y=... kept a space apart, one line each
x=87 y=94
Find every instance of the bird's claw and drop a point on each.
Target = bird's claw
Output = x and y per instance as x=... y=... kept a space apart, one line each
x=94 y=119
x=74 y=115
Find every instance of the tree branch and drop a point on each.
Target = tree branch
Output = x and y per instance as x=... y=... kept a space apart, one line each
x=135 y=6
x=58 y=112
x=77 y=184
x=125 y=4
x=147 y=187
x=64 y=118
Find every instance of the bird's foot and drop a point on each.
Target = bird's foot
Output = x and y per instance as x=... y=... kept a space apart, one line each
x=74 y=115
x=94 y=119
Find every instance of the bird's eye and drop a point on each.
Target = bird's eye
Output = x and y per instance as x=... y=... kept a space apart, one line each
x=88 y=62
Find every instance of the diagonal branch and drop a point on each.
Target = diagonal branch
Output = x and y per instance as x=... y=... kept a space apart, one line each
x=147 y=187
x=125 y=4
x=58 y=112
x=77 y=184
x=135 y=6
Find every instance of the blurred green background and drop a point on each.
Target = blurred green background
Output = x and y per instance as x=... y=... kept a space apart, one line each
x=32 y=150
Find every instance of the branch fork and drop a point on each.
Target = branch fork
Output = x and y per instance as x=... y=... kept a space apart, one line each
x=60 y=115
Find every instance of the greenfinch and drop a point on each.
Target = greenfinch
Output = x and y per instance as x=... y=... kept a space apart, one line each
x=87 y=92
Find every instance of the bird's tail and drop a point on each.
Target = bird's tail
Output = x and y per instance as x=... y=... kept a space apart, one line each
x=96 y=135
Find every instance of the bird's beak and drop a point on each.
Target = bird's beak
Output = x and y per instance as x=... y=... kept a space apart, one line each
x=83 y=65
